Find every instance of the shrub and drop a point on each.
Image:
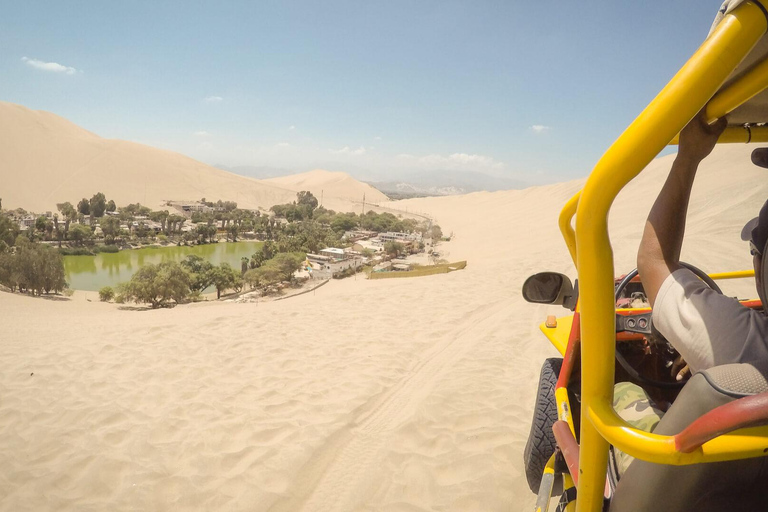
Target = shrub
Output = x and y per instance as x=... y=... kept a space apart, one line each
x=158 y=284
x=75 y=251
x=106 y=294
x=107 y=249
x=32 y=268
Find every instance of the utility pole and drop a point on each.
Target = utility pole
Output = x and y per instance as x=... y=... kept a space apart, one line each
x=363 y=203
x=321 y=197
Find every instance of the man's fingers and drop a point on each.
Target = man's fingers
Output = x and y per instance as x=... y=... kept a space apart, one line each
x=718 y=126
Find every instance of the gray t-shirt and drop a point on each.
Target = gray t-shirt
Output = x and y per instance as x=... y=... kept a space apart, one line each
x=706 y=327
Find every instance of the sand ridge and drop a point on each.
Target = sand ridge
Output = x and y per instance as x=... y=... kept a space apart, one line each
x=324 y=183
x=45 y=160
x=387 y=395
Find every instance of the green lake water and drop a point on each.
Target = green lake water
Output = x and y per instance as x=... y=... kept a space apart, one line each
x=108 y=269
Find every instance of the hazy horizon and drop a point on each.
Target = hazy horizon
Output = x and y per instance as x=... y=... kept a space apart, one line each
x=519 y=91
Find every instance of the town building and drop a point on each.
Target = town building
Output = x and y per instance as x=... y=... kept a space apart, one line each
x=394 y=236
x=333 y=253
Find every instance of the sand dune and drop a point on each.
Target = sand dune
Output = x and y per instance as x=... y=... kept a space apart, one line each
x=330 y=184
x=45 y=159
x=386 y=395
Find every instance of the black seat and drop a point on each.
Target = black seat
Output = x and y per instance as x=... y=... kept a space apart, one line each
x=717 y=486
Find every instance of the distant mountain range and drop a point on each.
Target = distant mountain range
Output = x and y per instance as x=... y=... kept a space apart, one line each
x=427 y=183
x=445 y=183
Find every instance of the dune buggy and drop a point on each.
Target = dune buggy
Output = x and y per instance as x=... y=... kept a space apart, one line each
x=641 y=435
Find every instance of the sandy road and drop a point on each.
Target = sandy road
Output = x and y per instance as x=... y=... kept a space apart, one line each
x=341 y=474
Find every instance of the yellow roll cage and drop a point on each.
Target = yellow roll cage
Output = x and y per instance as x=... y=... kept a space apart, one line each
x=698 y=83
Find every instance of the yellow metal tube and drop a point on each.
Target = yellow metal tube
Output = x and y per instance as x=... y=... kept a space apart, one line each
x=739 y=92
x=748 y=442
x=546 y=485
x=690 y=89
x=737 y=274
x=566 y=226
x=737 y=135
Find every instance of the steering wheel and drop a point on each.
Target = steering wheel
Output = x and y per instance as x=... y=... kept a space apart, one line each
x=644 y=325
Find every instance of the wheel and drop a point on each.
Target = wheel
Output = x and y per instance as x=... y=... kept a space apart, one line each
x=541 y=440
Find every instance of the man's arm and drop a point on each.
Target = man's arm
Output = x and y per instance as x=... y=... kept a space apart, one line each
x=659 y=252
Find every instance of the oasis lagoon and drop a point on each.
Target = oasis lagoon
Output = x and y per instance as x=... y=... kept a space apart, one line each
x=92 y=273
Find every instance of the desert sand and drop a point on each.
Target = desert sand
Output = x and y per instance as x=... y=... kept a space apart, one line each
x=338 y=185
x=388 y=395
x=46 y=159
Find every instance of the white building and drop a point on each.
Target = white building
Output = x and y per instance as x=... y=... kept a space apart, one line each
x=333 y=253
x=393 y=236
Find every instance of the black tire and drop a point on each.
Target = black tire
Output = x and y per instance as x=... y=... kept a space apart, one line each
x=541 y=441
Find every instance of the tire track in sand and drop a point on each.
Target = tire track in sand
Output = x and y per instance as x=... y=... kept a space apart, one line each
x=337 y=477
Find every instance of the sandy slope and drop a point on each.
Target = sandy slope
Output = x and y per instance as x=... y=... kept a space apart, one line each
x=45 y=159
x=390 y=395
x=330 y=184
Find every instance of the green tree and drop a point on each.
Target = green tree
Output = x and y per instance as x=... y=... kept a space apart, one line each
x=287 y=263
x=436 y=233
x=156 y=285
x=263 y=277
x=202 y=231
x=59 y=234
x=111 y=206
x=68 y=214
x=225 y=277
x=393 y=249
x=110 y=226
x=344 y=222
x=233 y=230
x=33 y=267
x=40 y=224
x=162 y=218
x=200 y=272
x=106 y=294
x=98 y=204
x=80 y=233
x=9 y=230
x=305 y=197
x=84 y=206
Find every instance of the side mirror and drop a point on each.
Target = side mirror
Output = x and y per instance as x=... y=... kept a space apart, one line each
x=549 y=288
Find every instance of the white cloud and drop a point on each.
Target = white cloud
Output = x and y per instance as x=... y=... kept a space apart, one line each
x=214 y=99
x=346 y=150
x=292 y=127
x=377 y=138
x=540 y=128
x=202 y=133
x=282 y=145
x=54 y=67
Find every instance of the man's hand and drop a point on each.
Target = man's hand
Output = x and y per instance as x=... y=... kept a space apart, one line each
x=699 y=138
x=659 y=252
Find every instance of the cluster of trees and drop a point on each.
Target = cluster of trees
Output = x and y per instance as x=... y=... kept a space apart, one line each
x=226 y=206
x=274 y=271
x=159 y=285
x=32 y=268
x=9 y=230
x=306 y=208
x=229 y=218
x=301 y=209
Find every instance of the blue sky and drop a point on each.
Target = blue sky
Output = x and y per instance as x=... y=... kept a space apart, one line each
x=534 y=91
